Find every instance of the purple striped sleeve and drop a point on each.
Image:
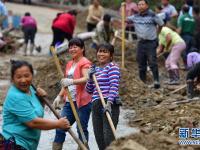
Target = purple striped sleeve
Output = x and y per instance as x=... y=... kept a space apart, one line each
x=114 y=77
x=90 y=87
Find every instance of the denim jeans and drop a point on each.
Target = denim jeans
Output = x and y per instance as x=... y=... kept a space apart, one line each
x=84 y=115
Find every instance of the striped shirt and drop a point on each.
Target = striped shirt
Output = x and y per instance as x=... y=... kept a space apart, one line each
x=108 y=79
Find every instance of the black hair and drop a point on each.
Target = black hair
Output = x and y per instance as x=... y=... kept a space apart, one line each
x=58 y=14
x=78 y=42
x=107 y=18
x=72 y=12
x=185 y=8
x=194 y=49
x=107 y=46
x=196 y=9
x=27 y=14
x=16 y=64
x=189 y=2
x=146 y=1
x=159 y=7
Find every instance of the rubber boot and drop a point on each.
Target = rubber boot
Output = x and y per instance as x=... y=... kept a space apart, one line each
x=174 y=77
x=190 y=89
x=38 y=49
x=156 y=84
x=156 y=78
x=142 y=75
x=170 y=72
x=25 y=49
x=57 y=146
x=31 y=49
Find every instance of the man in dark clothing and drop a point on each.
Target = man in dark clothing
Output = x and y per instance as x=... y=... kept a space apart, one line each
x=192 y=76
x=197 y=29
x=145 y=23
x=186 y=26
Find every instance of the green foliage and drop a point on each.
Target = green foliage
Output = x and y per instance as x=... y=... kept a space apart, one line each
x=115 y=4
x=176 y=3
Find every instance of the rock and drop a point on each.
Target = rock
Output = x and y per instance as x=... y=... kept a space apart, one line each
x=168 y=140
x=128 y=145
x=172 y=106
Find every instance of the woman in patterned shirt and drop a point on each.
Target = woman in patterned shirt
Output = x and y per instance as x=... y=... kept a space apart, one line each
x=108 y=76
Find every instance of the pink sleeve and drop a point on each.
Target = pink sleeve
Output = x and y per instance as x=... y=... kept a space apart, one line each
x=86 y=66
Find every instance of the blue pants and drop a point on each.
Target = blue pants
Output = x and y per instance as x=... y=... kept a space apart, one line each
x=84 y=115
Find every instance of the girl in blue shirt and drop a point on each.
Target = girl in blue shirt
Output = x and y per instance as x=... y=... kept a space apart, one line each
x=22 y=111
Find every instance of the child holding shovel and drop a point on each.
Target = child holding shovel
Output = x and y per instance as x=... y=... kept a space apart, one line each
x=108 y=76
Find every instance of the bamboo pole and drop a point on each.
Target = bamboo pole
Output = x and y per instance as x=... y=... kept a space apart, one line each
x=104 y=104
x=123 y=33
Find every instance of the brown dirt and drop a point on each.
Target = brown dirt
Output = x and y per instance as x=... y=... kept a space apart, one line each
x=154 y=141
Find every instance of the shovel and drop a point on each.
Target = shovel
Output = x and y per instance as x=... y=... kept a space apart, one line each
x=44 y=100
x=104 y=104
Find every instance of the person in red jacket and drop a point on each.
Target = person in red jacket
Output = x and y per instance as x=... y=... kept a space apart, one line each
x=63 y=26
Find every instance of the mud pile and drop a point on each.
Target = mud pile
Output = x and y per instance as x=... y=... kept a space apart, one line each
x=154 y=141
x=47 y=75
x=158 y=115
x=13 y=40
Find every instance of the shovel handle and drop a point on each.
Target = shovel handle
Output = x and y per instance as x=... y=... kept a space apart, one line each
x=46 y=101
x=82 y=146
x=104 y=104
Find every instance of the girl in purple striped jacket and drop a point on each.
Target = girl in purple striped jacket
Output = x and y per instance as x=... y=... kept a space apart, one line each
x=108 y=77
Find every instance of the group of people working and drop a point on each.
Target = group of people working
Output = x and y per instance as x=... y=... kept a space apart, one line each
x=173 y=43
x=27 y=114
x=23 y=112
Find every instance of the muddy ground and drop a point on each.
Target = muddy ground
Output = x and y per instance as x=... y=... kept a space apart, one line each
x=158 y=116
